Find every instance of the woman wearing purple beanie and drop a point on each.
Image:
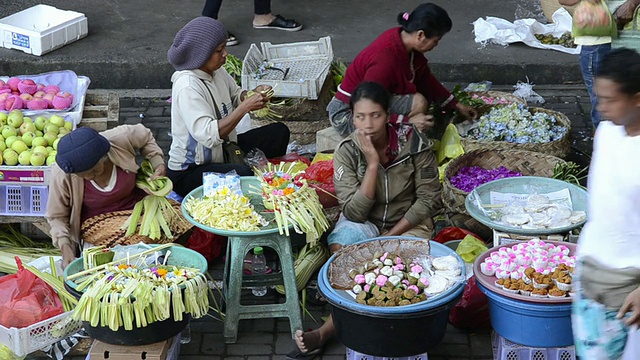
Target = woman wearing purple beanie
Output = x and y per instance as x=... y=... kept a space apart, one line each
x=207 y=105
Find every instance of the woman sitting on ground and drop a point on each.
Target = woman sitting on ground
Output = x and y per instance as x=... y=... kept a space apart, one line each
x=387 y=183
x=207 y=106
x=93 y=188
x=396 y=61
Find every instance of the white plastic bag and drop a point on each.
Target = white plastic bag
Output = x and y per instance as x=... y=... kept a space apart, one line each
x=502 y=32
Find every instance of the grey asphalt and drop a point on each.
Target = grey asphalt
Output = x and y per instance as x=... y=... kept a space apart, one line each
x=127 y=42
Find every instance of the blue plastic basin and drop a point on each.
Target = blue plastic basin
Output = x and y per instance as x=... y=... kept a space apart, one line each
x=530 y=324
x=391 y=331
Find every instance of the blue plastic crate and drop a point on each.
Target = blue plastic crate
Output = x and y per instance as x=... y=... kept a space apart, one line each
x=354 y=355
x=23 y=200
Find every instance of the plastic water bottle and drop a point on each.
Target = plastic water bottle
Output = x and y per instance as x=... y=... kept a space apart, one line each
x=259 y=268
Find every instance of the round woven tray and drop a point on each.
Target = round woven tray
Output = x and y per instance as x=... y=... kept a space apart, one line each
x=303 y=132
x=559 y=148
x=528 y=163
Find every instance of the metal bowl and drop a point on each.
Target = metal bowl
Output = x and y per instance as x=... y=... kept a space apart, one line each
x=524 y=185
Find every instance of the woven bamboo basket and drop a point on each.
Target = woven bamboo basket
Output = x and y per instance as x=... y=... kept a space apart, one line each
x=501 y=94
x=528 y=163
x=551 y=6
x=303 y=132
x=559 y=148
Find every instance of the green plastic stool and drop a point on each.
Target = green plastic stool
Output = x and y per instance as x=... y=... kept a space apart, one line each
x=237 y=248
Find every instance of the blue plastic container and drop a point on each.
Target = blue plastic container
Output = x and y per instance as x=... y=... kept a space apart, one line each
x=391 y=331
x=541 y=325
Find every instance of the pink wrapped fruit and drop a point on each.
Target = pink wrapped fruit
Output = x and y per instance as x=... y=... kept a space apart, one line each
x=61 y=102
x=13 y=83
x=51 y=89
x=13 y=102
x=37 y=104
x=27 y=86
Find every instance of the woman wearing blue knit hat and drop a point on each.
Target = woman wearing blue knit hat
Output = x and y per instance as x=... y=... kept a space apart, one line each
x=207 y=105
x=93 y=187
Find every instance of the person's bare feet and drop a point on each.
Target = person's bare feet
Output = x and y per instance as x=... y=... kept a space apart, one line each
x=308 y=341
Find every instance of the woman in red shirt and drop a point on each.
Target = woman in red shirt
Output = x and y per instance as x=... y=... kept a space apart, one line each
x=396 y=60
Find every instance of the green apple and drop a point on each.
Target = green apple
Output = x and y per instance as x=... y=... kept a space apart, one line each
x=50 y=137
x=40 y=150
x=68 y=125
x=52 y=128
x=27 y=127
x=39 y=133
x=19 y=146
x=25 y=158
x=3 y=118
x=27 y=119
x=39 y=141
x=15 y=118
x=10 y=140
x=51 y=159
x=52 y=152
x=37 y=159
x=8 y=130
x=56 y=120
x=39 y=122
x=2 y=138
x=55 y=144
x=10 y=157
x=28 y=137
x=50 y=148
x=62 y=132
x=3 y=147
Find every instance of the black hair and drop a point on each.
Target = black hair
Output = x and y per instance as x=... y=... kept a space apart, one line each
x=622 y=66
x=371 y=91
x=428 y=17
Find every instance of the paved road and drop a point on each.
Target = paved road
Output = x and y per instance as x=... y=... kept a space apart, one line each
x=128 y=40
x=269 y=338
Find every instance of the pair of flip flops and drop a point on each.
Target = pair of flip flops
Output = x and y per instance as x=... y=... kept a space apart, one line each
x=296 y=354
x=281 y=23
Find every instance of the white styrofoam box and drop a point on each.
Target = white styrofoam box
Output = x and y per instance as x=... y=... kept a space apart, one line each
x=354 y=355
x=42 y=28
x=504 y=349
x=307 y=65
x=34 y=337
x=501 y=238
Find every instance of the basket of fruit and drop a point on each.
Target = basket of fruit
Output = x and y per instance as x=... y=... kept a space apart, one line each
x=520 y=128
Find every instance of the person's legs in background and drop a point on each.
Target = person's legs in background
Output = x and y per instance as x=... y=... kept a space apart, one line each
x=211 y=9
x=590 y=57
x=264 y=19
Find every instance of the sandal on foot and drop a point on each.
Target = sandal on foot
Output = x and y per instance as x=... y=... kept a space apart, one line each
x=296 y=354
x=231 y=39
x=280 y=23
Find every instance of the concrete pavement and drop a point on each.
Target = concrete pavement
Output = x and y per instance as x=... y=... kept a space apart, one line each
x=269 y=339
x=127 y=42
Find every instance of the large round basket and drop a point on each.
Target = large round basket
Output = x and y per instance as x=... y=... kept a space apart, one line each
x=303 y=132
x=528 y=163
x=559 y=148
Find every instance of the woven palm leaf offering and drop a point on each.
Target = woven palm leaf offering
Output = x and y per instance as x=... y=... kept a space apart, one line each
x=393 y=272
x=293 y=202
x=140 y=291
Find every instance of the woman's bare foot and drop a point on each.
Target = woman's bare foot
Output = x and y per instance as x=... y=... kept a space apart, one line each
x=308 y=341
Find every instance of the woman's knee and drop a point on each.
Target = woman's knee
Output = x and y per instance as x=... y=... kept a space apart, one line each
x=419 y=105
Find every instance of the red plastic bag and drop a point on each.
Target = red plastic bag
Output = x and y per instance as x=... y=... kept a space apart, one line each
x=25 y=299
x=453 y=233
x=472 y=311
x=290 y=157
x=207 y=244
x=320 y=177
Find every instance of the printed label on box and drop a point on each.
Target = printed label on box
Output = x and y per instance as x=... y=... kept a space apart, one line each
x=500 y=238
x=20 y=40
x=34 y=176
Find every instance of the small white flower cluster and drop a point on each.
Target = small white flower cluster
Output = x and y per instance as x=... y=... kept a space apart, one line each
x=514 y=123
